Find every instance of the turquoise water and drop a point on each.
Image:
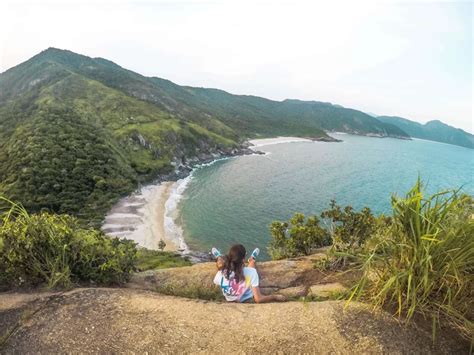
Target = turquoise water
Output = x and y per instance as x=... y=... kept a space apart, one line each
x=235 y=200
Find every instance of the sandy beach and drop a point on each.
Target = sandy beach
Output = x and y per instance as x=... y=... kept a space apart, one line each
x=148 y=216
x=278 y=140
x=141 y=217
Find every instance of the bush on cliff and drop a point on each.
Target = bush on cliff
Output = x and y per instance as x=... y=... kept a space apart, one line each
x=54 y=250
x=298 y=237
x=348 y=231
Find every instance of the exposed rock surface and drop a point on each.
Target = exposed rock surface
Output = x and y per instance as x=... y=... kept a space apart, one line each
x=292 y=277
x=327 y=290
x=137 y=321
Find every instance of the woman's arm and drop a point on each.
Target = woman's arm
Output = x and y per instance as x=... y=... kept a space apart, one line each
x=259 y=298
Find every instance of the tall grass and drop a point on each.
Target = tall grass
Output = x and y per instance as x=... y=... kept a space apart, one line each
x=423 y=263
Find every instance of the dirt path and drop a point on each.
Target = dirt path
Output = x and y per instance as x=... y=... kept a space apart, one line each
x=128 y=320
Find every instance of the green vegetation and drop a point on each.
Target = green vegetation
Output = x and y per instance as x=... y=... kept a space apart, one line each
x=419 y=261
x=64 y=165
x=54 y=250
x=349 y=228
x=77 y=133
x=298 y=237
x=153 y=259
x=74 y=145
x=348 y=231
x=161 y=245
x=423 y=262
x=432 y=130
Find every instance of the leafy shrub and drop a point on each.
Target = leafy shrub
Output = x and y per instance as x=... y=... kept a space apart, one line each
x=54 y=249
x=349 y=231
x=423 y=262
x=161 y=245
x=298 y=237
x=350 y=228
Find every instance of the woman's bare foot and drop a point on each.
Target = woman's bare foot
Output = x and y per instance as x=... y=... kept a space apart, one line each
x=280 y=298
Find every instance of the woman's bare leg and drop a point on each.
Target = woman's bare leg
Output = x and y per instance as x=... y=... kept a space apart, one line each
x=257 y=295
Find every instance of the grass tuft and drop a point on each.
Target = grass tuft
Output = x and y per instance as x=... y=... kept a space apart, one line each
x=154 y=259
x=423 y=263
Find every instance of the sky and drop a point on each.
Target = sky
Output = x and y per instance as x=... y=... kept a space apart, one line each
x=411 y=59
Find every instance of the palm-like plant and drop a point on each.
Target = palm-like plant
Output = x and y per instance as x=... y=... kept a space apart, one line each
x=424 y=262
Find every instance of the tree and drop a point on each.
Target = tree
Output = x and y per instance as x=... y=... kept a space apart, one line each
x=298 y=237
x=161 y=245
x=350 y=229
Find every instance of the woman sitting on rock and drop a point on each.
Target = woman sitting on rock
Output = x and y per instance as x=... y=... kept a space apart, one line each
x=237 y=281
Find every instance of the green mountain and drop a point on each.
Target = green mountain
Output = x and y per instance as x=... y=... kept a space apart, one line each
x=78 y=132
x=246 y=116
x=69 y=143
x=293 y=116
x=432 y=130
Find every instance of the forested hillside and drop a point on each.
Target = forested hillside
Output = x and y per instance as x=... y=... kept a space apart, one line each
x=432 y=130
x=78 y=132
x=292 y=115
x=71 y=144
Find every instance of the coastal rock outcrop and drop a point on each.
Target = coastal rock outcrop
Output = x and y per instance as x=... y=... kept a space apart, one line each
x=138 y=319
x=291 y=277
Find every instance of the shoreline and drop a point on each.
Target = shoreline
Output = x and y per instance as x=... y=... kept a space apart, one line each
x=256 y=143
x=140 y=217
x=148 y=215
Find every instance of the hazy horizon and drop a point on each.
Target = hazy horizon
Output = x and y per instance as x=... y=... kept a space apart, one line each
x=412 y=60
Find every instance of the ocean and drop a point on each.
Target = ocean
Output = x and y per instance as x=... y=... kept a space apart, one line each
x=235 y=200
